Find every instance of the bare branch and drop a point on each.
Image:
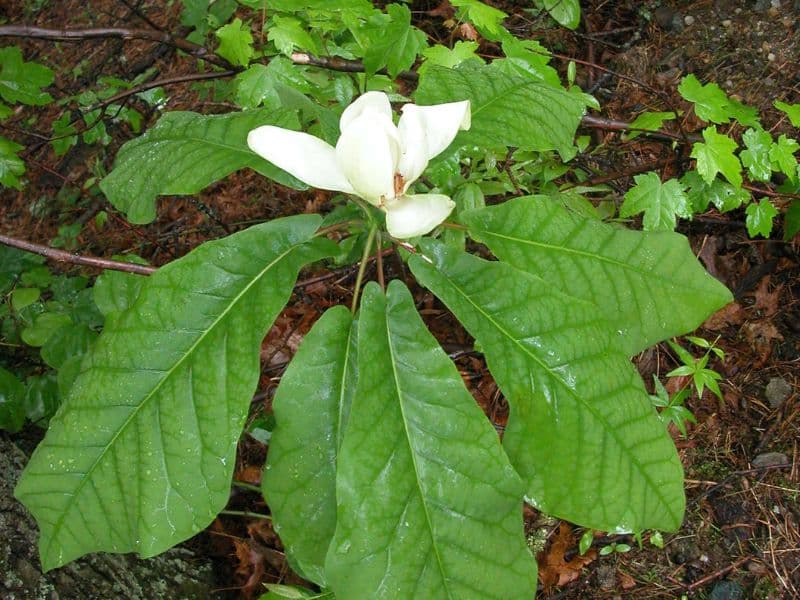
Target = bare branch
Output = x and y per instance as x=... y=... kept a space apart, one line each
x=75 y=259
x=76 y=35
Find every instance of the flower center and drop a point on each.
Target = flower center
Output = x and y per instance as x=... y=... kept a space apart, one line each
x=399 y=184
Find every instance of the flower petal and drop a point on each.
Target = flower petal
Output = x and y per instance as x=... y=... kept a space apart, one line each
x=417 y=214
x=368 y=151
x=308 y=158
x=414 y=142
x=442 y=122
x=371 y=101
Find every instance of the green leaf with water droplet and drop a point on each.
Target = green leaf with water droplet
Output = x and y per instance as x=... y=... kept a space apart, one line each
x=22 y=81
x=566 y=13
x=649 y=285
x=311 y=408
x=184 y=152
x=507 y=109
x=581 y=432
x=660 y=202
x=759 y=218
x=716 y=155
x=235 y=43
x=140 y=455
x=782 y=156
x=428 y=505
x=756 y=156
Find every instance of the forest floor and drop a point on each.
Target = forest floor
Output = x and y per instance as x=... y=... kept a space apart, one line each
x=741 y=534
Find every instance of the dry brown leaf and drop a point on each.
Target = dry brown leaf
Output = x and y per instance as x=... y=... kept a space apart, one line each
x=767 y=303
x=444 y=10
x=626 y=581
x=467 y=32
x=554 y=570
x=248 y=474
x=732 y=314
x=761 y=335
x=250 y=565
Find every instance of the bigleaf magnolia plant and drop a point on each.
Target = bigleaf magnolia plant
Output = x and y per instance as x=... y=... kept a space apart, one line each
x=384 y=478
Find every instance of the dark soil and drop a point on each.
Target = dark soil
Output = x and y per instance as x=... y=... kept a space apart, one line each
x=742 y=526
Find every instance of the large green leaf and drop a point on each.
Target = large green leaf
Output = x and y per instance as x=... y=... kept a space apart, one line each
x=582 y=432
x=649 y=285
x=311 y=407
x=507 y=110
x=183 y=153
x=141 y=455
x=428 y=505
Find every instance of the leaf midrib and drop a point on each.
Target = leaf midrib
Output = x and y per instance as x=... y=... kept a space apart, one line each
x=167 y=374
x=400 y=403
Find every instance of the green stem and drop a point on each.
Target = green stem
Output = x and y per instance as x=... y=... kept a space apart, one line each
x=379 y=262
x=363 y=266
x=247 y=486
x=245 y=513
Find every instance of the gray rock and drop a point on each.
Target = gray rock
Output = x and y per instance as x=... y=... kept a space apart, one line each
x=727 y=590
x=668 y=18
x=606 y=576
x=770 y=459
x=176 y=574
x=762 y=6
x=777 y=391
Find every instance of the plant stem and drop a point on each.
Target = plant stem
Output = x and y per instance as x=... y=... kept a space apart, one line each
x=247 y=486
x=245 y=513
x=363 y=266
x=379 y=261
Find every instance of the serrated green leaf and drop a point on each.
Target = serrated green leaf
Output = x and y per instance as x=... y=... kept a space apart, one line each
x=288 y=33
x=358 y=6
x=716 y=156
x=140 y=456
x=393 y=43
x=183 y=153
x=311 y=408
x=529 y=59
x=649 y=285
x=443 y=56
x=22 y=81
x=712 y=104
x=720 y=193
x=64 y=134
x=782 y=152
x=791 y=220
x=581 y=432
x=253 y=86
x=12 y=393
x=421 y=475
x=648 y=121
x=756 y=156
x=235 y=43
x=759 y=218
x=792 y=111
x=660 y=202
x=566 y=13
x=11 y=165
x=486 y=18
x=507 y=110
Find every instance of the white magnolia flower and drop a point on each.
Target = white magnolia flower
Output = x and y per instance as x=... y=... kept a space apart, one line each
x=374 y=159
